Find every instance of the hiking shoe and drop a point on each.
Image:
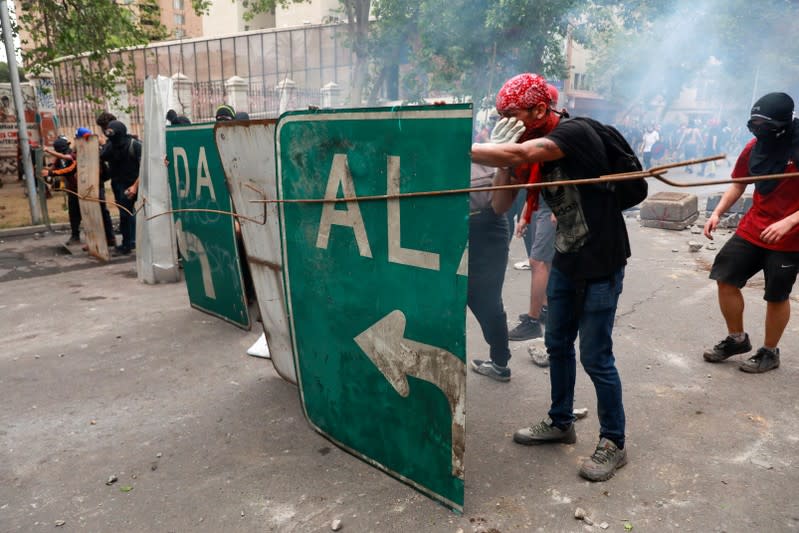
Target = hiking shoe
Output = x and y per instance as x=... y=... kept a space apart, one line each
x=73 y=240
x=488 y=368
x=544 y=433
x=603 y=464
x=527 y=328
x=727 y=348
x=763 y=361
x=539 y=355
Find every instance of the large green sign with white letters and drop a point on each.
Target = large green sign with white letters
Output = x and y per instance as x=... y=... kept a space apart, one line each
x=376 y=289
x=205 y=232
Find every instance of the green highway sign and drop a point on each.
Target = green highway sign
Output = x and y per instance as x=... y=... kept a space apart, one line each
x=206 y=239
x=376 y=290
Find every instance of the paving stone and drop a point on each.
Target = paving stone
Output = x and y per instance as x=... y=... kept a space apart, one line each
x=669 y=210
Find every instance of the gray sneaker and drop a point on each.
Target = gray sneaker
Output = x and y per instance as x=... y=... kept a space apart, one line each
x=527 y=328
x=542 y=317
x=544 y=433
x=727 y=348
x=488 y=368
x=763 y=361
x=603 y=464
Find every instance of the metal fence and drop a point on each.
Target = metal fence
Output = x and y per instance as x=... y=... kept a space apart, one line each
x=311 y=56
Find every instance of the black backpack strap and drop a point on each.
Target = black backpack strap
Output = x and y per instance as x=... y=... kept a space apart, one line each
x=132 y=149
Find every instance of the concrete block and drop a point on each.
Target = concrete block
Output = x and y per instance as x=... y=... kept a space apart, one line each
x=669 y=210
x=729 y=221
x=740 y=207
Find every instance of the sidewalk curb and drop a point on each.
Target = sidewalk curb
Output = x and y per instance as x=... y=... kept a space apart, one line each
x=41 y=228
x=30 y=230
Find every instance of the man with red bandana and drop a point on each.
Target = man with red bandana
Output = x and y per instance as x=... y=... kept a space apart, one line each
x=537 y=220
x=767 y=237
x=591 y=251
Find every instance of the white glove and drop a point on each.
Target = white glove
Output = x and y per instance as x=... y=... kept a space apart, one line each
x=507 y=130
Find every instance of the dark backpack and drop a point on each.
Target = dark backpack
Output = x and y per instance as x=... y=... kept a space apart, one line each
x=621 y=158
x=132 y=148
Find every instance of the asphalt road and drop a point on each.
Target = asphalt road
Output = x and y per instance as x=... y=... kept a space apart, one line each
x=102 y=376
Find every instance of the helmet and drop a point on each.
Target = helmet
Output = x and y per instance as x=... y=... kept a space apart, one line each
x=61 y=145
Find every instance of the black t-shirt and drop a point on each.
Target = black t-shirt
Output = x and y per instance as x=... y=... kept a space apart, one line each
x=591 y=240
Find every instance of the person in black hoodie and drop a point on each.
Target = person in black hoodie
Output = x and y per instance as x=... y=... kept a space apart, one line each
x=122 y=157
x=177 y=120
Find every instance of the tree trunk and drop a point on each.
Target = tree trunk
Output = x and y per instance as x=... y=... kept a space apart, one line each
x=358 y=26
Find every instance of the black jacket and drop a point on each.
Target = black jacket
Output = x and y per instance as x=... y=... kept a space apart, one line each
x=122 y=157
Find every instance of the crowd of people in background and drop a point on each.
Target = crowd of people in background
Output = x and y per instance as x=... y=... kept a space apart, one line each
x=679 y=141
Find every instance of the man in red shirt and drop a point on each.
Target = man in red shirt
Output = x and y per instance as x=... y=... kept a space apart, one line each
x=767 y=238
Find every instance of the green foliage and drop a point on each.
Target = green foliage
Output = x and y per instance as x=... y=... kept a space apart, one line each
x=469 y=47
x=460 y=47
x=252 y=7
x=150 y=20
x=87 y=28
x=5 y=76
x=201 y=7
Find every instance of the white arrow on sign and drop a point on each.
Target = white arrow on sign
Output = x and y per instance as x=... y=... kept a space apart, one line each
x=396 y=357
x=189 y=243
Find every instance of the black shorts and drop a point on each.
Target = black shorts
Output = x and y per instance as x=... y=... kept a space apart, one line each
x=739 y=260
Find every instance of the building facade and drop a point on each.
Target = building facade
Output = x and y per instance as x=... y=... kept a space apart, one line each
x=226 y=17
x=179 y=18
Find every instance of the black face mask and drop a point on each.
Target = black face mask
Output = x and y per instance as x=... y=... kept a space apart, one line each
x=768 y=130
x=775 y=146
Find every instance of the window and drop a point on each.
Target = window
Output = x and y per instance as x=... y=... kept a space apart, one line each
x=177 y=4
x=179 y=19
x=581 y=82
x=179 y=33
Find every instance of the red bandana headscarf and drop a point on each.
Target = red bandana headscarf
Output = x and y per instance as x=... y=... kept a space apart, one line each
x=525 y=91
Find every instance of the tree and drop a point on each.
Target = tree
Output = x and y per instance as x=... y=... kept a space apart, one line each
x=650 y=49
x=756 y=47
x=5 y=77
x=356 y=18
x=469 y=47
x=86 y=28
x=149 y=20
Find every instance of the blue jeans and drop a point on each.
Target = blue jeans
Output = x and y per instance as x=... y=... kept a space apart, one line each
x=488 y=259
x=127 y=222
x=594 y=322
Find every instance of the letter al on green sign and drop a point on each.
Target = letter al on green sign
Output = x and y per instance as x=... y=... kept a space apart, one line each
x=376 y=290
x=207 y=240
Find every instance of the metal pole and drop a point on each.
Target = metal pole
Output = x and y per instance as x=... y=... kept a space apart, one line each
x=38 y=158
x=19 y=104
